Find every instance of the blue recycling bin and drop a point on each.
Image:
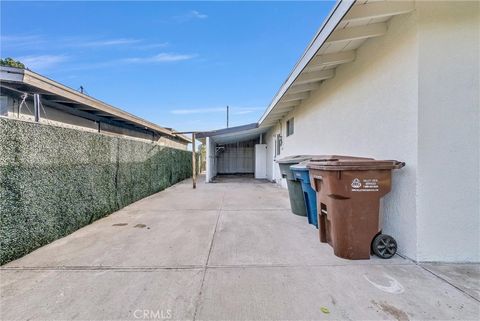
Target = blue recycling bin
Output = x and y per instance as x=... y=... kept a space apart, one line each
x=300 y=173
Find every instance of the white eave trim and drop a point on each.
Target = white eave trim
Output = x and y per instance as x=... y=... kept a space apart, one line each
x=339 y=11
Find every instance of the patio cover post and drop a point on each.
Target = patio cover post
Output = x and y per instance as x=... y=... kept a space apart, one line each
x=194 y=167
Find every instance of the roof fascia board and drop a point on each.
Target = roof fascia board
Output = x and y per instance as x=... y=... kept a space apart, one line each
x=339 y=11
x=227 y=130
x=11 y=74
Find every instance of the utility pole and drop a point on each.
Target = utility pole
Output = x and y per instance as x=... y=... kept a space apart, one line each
x=228 y=110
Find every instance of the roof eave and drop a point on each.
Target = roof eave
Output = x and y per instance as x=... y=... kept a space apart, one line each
x=27 y=77
x=334 y=18
x=226 y=130
x=41 y=82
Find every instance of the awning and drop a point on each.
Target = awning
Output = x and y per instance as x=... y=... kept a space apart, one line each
x=233 y=134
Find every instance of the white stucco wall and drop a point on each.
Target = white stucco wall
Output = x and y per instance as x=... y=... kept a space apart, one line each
x=448 y=140
x=211 y=160
x=398 y=100
x=271 y=166
x=369 y=109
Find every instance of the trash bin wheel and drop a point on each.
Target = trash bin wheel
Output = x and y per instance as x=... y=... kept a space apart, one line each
x=384 y=246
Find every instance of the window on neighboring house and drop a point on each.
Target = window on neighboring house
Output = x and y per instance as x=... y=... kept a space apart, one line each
x=290 y=128
x=3 y=106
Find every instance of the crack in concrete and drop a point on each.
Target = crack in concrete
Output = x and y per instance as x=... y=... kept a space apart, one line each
x=200 y=292
x=439 y=277
x=103 y=268
x=185 y=267
x=448 y=282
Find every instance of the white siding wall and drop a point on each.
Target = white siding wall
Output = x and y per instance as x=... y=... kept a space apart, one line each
x=371 y=108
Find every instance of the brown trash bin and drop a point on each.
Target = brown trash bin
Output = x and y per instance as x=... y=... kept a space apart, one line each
x=348 y=202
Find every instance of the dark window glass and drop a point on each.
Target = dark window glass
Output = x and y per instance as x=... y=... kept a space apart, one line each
x=290 y=126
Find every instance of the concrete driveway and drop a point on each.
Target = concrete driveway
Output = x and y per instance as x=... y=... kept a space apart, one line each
x=225 y=251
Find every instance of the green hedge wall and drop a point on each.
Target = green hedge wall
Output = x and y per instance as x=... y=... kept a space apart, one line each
x=55 y=180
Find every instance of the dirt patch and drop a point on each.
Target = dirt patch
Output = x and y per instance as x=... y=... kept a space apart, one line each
x=393 y=311
x=119 y=224
x=140 y=225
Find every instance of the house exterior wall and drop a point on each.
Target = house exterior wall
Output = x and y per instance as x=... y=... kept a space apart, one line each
x=211 y=161
x=270 y=141
x=273 y=170
x=383 y=105
x=53 y=116
x=369 y=109
x=449 y=137
x=165 y=141
x=48 y=115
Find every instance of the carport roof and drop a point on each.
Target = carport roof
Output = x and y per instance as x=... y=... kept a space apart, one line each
x=233 y=134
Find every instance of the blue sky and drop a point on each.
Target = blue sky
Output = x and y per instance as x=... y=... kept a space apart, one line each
x=177 y=64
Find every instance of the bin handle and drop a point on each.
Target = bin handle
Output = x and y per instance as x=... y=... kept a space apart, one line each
x=398 y=165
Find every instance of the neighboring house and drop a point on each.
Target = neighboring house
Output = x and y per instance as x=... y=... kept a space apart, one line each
x=26 y=95
x=389 y=80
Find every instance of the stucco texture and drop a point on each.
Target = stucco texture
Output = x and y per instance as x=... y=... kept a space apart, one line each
x=55 y=180
x=369 y=109
x=410 y=95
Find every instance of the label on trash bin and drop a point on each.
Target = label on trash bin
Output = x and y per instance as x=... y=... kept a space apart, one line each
x=364 y=185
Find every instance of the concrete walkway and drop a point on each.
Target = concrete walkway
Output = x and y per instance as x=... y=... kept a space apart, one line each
x=226 y=251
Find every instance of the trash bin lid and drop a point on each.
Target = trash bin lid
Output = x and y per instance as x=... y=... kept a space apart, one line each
x=300 y=166
x=354 y=164
x=336 y=157
x=295 y=159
